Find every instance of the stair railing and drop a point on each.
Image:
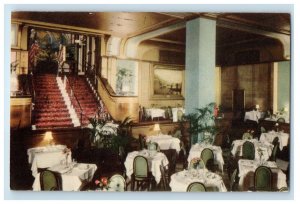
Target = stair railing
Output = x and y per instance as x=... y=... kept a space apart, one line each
x=72 y=95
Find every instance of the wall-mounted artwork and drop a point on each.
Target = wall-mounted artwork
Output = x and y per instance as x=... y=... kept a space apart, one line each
x=167 y=82
x=126 y=78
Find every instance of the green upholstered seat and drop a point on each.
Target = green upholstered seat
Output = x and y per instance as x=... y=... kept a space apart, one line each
x=281 y=120
x=196 y=187
x=275 y=149
x=234 y=180
x=247 y=136
x=248 y=151
x=141 y=174
x=153 y=146
x=117 y=183
x=207 y=156
x=263 y=179
x=50 y=181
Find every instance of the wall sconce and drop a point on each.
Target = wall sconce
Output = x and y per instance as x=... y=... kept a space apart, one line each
x=157 y=128
x=48 y=137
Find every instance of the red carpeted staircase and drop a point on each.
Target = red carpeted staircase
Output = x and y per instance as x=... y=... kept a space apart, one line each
x=50 y=110
x=87 y=99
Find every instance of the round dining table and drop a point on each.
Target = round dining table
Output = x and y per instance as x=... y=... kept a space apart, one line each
x=212 y=181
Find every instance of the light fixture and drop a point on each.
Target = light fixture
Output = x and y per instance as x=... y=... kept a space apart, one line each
x=257 y=106
x=48 y=137
x=156 y=128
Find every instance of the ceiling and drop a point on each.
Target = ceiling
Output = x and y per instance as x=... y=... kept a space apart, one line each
x=130 y=24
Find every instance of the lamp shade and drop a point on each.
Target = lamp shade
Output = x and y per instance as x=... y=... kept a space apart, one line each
x=156 y=127
x=48 y=136
x=257 y=106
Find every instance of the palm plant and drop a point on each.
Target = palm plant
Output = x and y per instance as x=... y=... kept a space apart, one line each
x=202 y=125
x=123 y=134
x=95 y=127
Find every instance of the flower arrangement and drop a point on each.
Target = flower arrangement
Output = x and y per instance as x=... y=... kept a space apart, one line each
x=102 y=183
x=196 y=163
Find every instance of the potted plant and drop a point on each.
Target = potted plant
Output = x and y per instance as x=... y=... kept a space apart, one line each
x=202 y=124
x=105 y=134
x=95 y=128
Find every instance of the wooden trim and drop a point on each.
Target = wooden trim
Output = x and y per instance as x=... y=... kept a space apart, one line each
x=59 y=27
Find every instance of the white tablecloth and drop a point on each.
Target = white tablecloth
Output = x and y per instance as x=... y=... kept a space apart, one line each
x=181 y=180
x=155 y=112
x=253 y=115
x=269 y=137
x=53 y=148
x=49 y=158
x=73 y=178
x=165 y=142
x=263 y=147
x=154 y=163
x=247 y=169
x=197 y=149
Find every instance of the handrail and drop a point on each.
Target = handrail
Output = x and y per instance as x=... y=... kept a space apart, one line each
x=117 y=106
x=110 y=90
x=72 y=94
x=32 y=89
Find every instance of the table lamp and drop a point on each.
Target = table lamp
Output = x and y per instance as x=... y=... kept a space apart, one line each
x=256 y=106
x=48 y=137
x=157 y=129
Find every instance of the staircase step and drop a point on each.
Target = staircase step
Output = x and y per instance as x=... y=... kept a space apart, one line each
x=50 y=110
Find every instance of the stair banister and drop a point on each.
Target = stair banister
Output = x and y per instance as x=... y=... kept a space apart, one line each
x=72 y=94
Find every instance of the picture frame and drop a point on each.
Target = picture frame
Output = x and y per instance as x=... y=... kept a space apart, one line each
x=167 y=82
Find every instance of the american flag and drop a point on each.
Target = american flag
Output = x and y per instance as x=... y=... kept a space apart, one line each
x=33 y=52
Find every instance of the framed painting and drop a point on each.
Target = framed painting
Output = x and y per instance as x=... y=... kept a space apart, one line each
x=126 y=78
x=167 y=82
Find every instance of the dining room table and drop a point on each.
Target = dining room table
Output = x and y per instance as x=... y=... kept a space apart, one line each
x=248 y=167
x=212 y=181
x=253 y=115
x=283 y=138
x=197 y=148
x=165 y=142
x=155 y=113
x=47 y=156
x=74 y=176
x=155 y=160
x=263 y=150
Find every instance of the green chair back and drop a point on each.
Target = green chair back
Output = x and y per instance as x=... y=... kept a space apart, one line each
x=117 y=183
x=263 y=179
x=153 y=146
x=248 y=150
x=50 y=181
x=247 y=136
x=274 y=152
x=281 y=120
x=275 y=141
x=196 y=187
x=207 y=156
x=140 y=167
x=262 y=129
x=233 y=180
